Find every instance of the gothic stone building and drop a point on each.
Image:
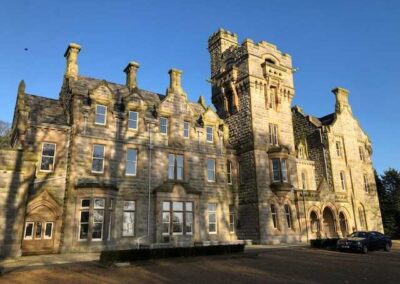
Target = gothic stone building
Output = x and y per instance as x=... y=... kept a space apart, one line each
x=111 y=166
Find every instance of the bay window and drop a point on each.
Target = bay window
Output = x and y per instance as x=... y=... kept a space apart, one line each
x=177 y=218
x=279 y=170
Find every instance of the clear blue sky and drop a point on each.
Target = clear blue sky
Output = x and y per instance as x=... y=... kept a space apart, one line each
x=353 y=44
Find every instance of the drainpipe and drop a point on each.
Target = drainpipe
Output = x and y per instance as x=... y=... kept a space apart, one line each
x=149 y=124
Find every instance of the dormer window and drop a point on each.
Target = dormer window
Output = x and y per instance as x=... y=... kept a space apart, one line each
x=101 y=115
x=133 y=120
x=163 y=125
x=210 y=136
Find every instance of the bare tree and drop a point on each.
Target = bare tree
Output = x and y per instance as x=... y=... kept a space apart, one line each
x=4 y=133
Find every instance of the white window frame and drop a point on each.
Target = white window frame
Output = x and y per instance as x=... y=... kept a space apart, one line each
x=130 y=211
x=93 y=158
x=212 y=212
x=32 y=232
x=179 y=233
x=136 y=121
x=211 y=170
x=186 y=129
x=84 y=209
x=210 y=135
x=51 y=232
x=42 y=156
x=41 y=231
x=170 y=213
x=99 y=208
x=105 y=115
x=134 y=162
x=166 y=125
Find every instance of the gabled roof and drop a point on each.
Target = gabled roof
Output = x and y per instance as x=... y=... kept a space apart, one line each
x=327 y=119
x=45 y=110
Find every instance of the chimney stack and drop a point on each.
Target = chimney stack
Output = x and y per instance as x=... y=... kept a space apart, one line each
x=71 y=54
x=342 y=99
x=175 y=81
x=131 y=71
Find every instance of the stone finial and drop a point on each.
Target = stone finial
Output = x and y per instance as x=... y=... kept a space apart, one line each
x=202 y=102
x=131 y=72
x=342 y=99
x=175 y=85
x=71 y=54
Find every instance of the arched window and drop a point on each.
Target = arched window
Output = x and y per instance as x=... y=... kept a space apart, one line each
x=288 y=215
x=270 y=61
x=343 y=224
x=314 y=222
x=303 y=180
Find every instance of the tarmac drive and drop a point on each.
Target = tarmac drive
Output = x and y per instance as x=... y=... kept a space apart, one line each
x=257 y=265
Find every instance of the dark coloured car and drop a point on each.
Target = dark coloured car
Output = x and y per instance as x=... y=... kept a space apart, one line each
x=365 y=241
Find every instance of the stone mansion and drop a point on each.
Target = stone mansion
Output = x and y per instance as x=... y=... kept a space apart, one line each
x=113 y=166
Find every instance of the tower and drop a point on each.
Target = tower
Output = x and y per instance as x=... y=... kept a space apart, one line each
x=252 y=90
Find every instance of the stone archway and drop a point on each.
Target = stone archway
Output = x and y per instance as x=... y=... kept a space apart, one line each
x=343 y=224
x=328 y=223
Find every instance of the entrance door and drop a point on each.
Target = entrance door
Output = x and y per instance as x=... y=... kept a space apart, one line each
x=38 y=236
x=329 y=223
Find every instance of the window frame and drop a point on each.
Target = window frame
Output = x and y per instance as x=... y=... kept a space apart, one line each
x=213 y=170
x=339 y=149
x=42 y=156
x=166 y=125
x=288 y=216
x=176 y=166
x=103 y=159
x=131 y=161
x=212 y=212
x=273 y=134
x=232 y=219
x=282 y=170
x=32 y=230
x=229 y=179
x=103 y=209
x=105 y=115
x=186 y=129
x=130 y=211
x=342 y=176
x=130 y=120
x=209 y=134
x=45 y=229
x=170 y=211
x=274 y=216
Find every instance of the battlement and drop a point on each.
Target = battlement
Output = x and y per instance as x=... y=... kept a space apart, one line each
x=222 y=34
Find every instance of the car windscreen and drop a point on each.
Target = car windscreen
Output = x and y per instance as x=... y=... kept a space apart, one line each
x=359 y=235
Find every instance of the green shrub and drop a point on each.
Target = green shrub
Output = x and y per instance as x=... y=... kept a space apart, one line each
x=108 y=257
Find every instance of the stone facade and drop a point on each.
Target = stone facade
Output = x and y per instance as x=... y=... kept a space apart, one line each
x=111 y=166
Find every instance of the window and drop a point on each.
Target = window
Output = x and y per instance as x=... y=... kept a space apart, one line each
x=366 y=184
x=38 y=231
x=342 y=180
x=98 y=159
x=314 y=222
x=101 y=114
x=96 y=219
x=338 y=149
x=48 y=230
x=361 y=152
x=48 y=155
x=186 y=129
x=279 y=170
x=303 y=180
x=133 y=120
x=288 y=215
x=163 y=125
x=211 y=170
x=273 y=134
x=110 y=218
x=175 y=166
x=274 y=216
x=128 y=222
x=231 y=219
x=272 y=97
x=131 y=162
x=181 y=222
x=302 y=152
x=28 y=235
x=212 y=218
x=210 y=135
x=361 y=214
x=229 y=171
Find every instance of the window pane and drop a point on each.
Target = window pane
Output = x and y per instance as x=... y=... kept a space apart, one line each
x=177 y=222
x=189 y=206
x=177 y=206
x=97 y=165
x=189 y=223
x=131 y=158
x=98 y=215
x=179 y=169
x=48 y=230
x=212 y=228
x=84 y=231
x=276 y=170
x=166 y=206
x=129 y=205
x=98 y=151
x=84 y=216
x=186 y=129
x=163 y=125
x=101 y=114
x=210 y=169
x=212 y=207
x=132 y=121
x=212 y=218
x=48 y=149
x=131 y=155
x=97 y=230
x=38 y=233
x=166 y=222
x=85 y=203
x=128 y=224
x=28 y=230
x=100 y=109
x=171 y=166
x=284 y=170
x=209 y=134
x=47 y=163
x=99 y=203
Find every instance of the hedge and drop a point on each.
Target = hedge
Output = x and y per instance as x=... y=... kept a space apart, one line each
x=112 y=256
x=324 y=243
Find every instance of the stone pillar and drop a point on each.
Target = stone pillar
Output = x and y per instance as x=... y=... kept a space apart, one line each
x=131 y=71
x=71 y=54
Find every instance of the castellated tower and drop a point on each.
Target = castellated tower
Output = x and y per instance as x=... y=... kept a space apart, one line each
x=252 y=90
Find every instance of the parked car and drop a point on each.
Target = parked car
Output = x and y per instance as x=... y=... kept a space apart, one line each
x=365 y=241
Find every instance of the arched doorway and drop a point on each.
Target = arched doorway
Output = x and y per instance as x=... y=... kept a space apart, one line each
x=329 y=223
x=314 y=223
x=343 y=224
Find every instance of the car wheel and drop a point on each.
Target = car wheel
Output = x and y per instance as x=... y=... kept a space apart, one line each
x=387 y=247
x=365 y=249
